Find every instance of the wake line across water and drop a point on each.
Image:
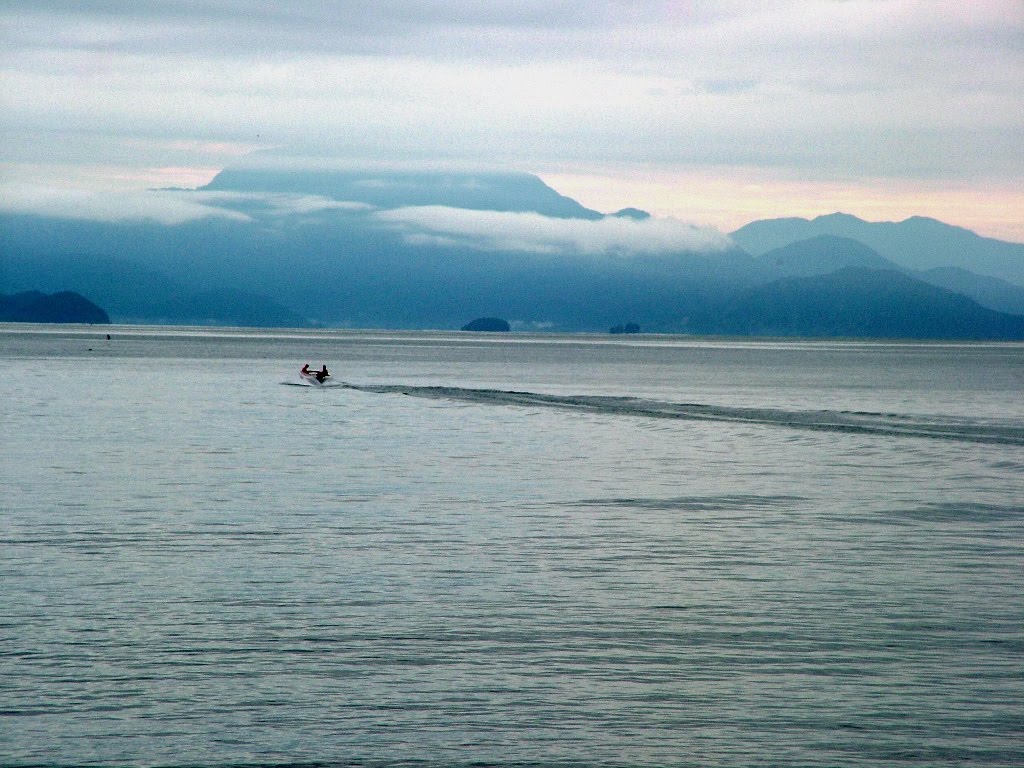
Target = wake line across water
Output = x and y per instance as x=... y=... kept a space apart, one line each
x=895 y=425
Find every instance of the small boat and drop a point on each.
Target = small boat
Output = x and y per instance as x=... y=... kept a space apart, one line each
x=316 y=378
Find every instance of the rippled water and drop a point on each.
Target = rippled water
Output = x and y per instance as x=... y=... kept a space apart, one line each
x=508 y=550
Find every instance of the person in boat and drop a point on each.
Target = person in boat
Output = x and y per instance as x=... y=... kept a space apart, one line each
x=320 y=375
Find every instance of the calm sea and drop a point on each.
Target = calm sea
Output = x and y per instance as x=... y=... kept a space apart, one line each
x=508 y=550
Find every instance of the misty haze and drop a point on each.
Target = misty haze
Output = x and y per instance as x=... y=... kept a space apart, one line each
x=455 y=384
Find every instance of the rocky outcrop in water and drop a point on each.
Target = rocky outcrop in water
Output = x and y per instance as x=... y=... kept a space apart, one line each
x=488 y=324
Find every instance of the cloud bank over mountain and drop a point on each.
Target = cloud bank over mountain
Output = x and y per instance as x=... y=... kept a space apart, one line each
x=434 y=249
x=534 y=233
x=543 y=222
x=163 y=206
x=887 y=100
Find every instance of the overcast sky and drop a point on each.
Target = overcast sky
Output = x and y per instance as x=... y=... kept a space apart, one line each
x=714 y=113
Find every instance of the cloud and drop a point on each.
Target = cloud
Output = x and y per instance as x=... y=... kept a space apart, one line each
x=903 y=90
x=164 y=206
x=355 y=27
x=534 y=233
x=274 y=203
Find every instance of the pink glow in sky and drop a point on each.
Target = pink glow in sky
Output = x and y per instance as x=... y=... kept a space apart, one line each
x=716 y=113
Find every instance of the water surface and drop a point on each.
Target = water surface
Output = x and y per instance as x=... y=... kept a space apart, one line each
x=508 y=550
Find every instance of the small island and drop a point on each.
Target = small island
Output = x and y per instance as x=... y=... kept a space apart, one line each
x=63 y=307
x=488 y=325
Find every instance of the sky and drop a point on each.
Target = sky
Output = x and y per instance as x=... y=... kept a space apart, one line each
x=709 y=113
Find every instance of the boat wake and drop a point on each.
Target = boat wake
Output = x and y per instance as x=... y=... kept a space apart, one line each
x=852 y=422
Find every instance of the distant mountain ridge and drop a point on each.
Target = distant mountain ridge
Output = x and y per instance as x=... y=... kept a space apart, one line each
x=860 y=302
x=990 y=292
x=824 y=254
x=820 y=255
x=486 y=191
x=371 y=249
x=917 y=243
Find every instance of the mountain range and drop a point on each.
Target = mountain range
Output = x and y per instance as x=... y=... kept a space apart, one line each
x=415 y=249
x=917 y=243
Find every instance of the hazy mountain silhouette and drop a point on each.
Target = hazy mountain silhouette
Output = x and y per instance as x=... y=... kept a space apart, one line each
x=990 y=292
x=917 y=243
x=821 y=255
x=344 y=265
x=62 y=307
x=134 y=293
x=510 y=192
x=357 y=249
x=631 y=213
x=861 y=302
x=827 y=253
